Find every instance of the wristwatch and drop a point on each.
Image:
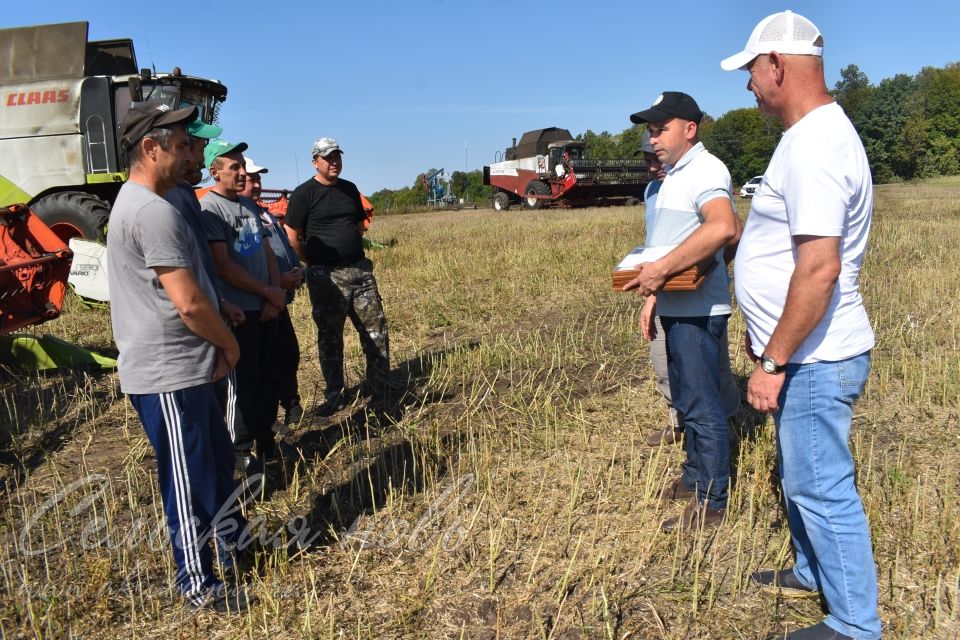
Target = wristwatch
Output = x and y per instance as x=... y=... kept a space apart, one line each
x=769 y=365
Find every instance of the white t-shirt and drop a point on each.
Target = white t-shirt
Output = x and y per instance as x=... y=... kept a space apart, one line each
x=697 y=178
x=818 y=183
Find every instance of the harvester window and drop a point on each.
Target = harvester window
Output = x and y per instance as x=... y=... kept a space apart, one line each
x=163 y=93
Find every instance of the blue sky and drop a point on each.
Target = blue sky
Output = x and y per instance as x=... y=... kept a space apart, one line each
x=405 y=86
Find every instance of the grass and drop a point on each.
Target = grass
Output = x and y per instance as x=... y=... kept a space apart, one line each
x=510 y=495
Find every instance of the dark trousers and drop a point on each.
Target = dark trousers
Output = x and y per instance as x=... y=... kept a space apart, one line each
x=282 y=361
x=337 y=293
x=287 y=361
x=695 y=347
x=195 y=471
x=250 y=392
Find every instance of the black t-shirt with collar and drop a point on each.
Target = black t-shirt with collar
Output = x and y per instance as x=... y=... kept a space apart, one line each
x=330 y=217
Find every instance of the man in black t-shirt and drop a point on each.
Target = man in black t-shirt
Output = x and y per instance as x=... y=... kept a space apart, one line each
x=325 y=226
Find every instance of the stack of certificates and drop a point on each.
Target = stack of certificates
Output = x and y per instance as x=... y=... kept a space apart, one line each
x=687 y=280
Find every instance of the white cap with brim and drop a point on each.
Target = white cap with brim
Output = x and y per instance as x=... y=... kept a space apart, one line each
x=253 y=167
x=785 y=32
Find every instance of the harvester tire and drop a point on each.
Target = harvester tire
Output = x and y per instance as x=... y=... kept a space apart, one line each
x=501 y=201
x=633 y=202
x=536 y=188
x=74 y=214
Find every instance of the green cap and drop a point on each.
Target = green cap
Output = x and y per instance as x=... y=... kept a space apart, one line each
x=219 y=147
x=200 y=129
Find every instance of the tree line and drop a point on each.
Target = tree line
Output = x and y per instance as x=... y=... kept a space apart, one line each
x=910 y=127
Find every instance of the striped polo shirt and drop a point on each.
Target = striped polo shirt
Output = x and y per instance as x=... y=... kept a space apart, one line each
x=696 y=179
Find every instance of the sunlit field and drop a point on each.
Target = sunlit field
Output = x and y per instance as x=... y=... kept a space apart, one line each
x=507 y=492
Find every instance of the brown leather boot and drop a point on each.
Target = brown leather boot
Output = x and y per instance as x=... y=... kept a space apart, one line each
x=676 y=490
x=694 y=517
x=667 y=436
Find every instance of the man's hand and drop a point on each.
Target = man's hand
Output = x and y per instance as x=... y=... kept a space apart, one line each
x=651 y=279
x=763 y=390
x=226 y=360
x=269 y=311
x=274 y=296
x=648 y=317
x=291 y=279
x=231 y=313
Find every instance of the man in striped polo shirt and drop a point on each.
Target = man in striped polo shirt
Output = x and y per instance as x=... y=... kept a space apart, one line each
x=694 y=215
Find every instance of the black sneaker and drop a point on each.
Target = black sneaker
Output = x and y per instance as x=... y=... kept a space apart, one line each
x=248 y=464
x=816 y=632
x=293 y=415
x=333 y=405
x=783 y=582
x=224 y=598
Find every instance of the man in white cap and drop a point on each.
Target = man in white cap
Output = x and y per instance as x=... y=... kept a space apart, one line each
x=325 y=227
x=796 y=280
x=284 y=359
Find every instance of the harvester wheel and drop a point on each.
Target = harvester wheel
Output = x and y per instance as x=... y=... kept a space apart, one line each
x=74 y=214
x=501 y=201
x=536 y=188
x=633 y=202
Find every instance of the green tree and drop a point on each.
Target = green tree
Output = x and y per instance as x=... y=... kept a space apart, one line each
x=852 y=92
x=744 y=139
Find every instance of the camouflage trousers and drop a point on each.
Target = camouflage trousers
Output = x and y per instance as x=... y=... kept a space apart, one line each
x=338 y=293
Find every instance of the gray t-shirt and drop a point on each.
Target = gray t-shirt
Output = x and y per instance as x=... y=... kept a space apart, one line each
x=158 y=352
x=237 y=222
x=184 y=199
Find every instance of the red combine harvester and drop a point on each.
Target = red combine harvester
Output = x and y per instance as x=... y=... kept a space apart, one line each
x=548 y=167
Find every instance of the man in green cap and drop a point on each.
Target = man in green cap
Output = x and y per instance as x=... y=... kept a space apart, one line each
x=247 y=267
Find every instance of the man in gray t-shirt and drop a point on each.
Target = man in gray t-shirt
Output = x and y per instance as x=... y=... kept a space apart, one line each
x=250 y=277
x=173 y=346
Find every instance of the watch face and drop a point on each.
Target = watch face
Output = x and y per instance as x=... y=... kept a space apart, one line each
x=768 y=364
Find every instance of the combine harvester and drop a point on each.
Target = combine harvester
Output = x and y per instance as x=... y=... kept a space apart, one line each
x=548 y=168
x=62 y=98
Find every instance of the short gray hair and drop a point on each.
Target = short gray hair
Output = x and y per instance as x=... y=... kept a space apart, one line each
x=161 y=135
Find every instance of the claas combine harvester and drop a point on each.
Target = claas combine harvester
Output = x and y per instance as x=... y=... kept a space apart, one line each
x=61 y=165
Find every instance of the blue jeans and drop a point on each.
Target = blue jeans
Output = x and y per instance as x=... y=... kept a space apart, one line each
x=827 y=522
x=695 y=347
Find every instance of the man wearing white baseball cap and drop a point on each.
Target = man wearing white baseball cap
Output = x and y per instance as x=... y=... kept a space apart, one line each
x=811 y=339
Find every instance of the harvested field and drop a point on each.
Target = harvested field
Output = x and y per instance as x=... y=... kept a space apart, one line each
x=508 y=494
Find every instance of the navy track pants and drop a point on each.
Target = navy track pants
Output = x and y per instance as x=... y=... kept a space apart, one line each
x=195 y=463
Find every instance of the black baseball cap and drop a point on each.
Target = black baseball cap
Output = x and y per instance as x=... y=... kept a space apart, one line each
x=144 y=117
x=670 y=104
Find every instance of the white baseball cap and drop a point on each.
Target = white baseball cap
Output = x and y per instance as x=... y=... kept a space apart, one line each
x=253 y=167
x=785 y=32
